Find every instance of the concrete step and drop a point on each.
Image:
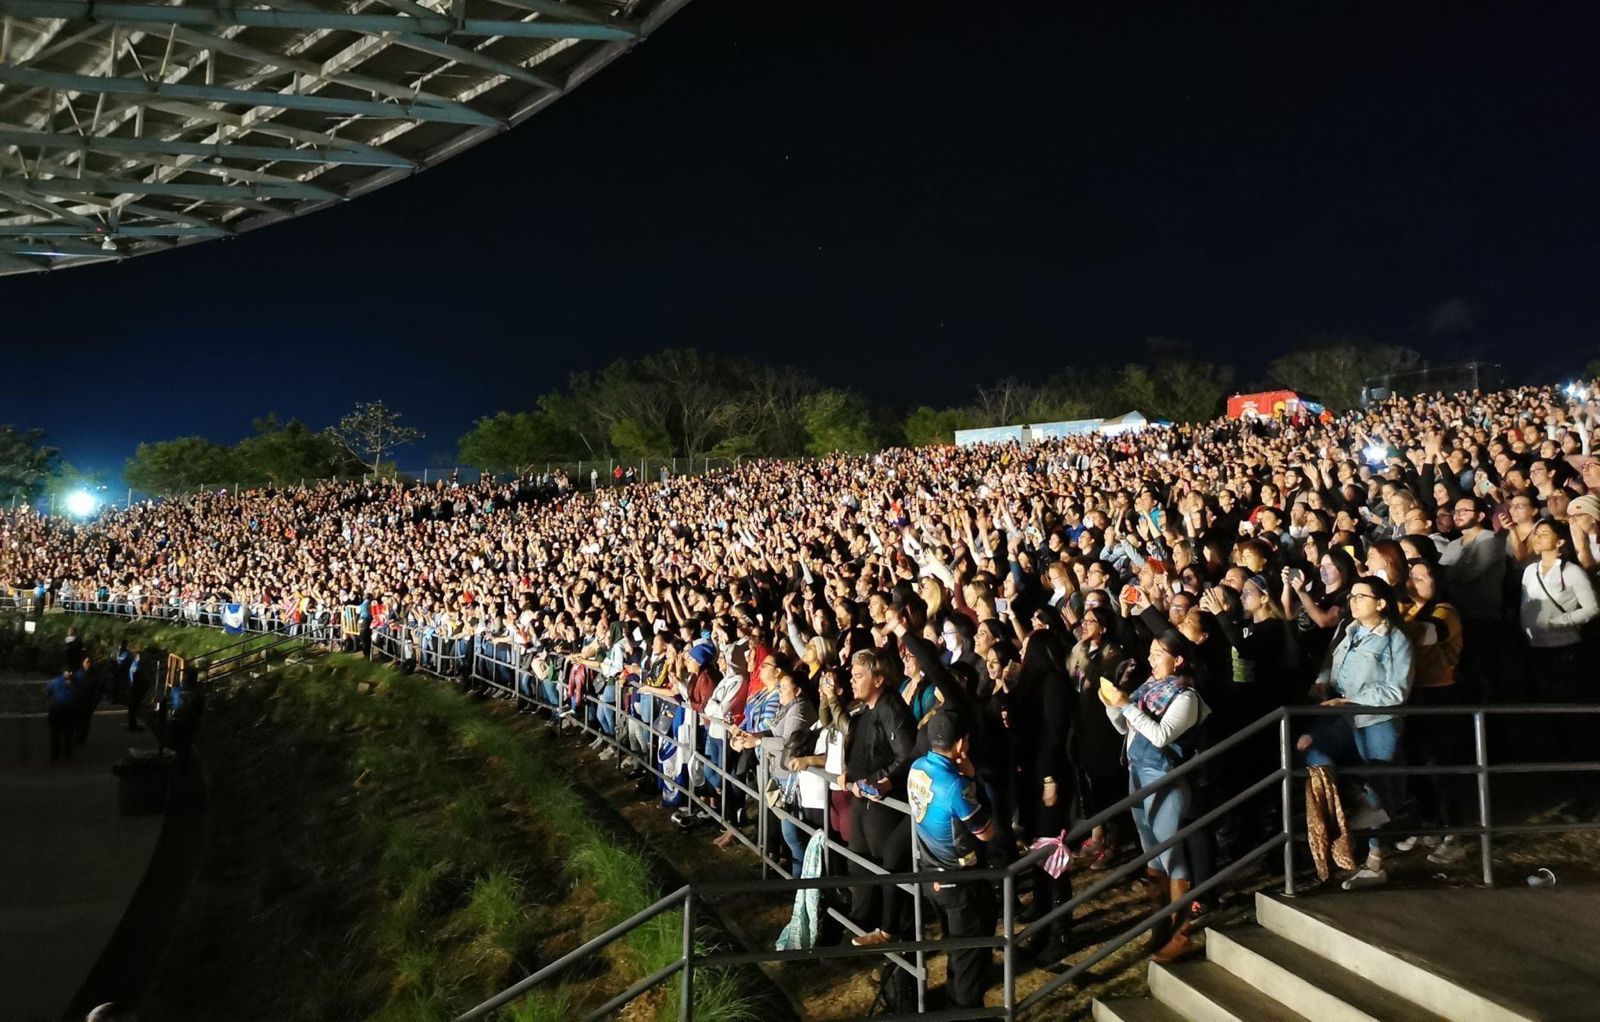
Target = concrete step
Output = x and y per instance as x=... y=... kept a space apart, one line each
x=1134 y=1009
x=1206 y=992
x=1410 y=980
x=1318 y=989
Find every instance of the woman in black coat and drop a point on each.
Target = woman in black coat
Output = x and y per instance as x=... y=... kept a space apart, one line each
x=1041 y=716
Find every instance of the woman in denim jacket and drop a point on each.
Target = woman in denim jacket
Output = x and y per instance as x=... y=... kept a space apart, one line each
x=1369 y=664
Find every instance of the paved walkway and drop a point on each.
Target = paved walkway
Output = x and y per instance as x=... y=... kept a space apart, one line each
x=71 y=863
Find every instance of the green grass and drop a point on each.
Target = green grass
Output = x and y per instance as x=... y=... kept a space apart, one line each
x=449 y=795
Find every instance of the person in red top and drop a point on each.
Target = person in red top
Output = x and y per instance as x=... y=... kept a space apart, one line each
x=703 y=656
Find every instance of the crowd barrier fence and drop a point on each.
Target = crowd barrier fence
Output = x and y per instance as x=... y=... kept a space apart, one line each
x=502 y=669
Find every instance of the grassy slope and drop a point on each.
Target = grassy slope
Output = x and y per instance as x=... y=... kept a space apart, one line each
x=429 y=853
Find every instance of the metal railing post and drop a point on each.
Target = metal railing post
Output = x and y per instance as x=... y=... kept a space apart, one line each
x=1008 y=916
x=1485 y=840
x=1286 y=762
x=761 y=808
x=916 y=914
x=686 y=1000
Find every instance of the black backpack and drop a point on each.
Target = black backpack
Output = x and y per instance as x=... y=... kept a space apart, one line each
x=897 y=991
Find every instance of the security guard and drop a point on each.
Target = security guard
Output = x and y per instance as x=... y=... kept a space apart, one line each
x=953 y=823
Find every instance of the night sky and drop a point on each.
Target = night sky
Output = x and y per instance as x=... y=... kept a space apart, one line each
x=901 y=198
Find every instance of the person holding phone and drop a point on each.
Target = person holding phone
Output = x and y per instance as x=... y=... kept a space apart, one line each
x=878 y=751
x=1160 y=723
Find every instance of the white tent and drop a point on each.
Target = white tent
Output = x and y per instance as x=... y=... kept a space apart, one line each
x=1123 y=423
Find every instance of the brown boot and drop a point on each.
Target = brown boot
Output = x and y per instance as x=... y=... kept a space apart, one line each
x=1177 y=945
x=1153 y=887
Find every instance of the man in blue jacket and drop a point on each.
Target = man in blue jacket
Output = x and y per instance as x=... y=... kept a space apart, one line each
x=62 y=701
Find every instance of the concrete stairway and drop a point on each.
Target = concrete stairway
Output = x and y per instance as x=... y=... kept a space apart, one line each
x=1303 y=964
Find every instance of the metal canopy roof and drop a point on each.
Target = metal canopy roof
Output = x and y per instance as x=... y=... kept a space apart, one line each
x=128 y=128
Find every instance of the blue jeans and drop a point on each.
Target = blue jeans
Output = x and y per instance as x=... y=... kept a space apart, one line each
x=797 y=839
x=608 y=711
x=1159 y=816
x=1335 y=741
x=713 y=753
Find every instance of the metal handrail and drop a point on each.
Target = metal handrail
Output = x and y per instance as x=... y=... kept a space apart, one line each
x=579 y=953
x=525 y=687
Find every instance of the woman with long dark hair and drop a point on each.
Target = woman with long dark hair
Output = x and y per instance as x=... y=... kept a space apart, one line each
x=1161 y=720
x=1098 y=754
x=1370 y=664
x=1317 y=605
x=1041 y=716
x=1558 y=601
x=1434 y=628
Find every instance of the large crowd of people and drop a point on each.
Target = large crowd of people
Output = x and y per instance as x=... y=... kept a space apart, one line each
x=1009 y=638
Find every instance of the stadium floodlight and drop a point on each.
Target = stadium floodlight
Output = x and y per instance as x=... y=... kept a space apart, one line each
x=81 y=503
x=1578 y=391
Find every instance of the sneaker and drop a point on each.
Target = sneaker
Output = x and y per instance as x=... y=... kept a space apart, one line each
x=598 y=743
x=1365 y=877
x=1405 y=844
x=1449 y=853
x=567 y=723
x=609 y=752
x=872 y=938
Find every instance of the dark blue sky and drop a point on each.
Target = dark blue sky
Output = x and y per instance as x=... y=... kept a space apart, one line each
x=903 y=198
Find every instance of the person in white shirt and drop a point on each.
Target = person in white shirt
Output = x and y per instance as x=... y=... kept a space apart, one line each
x=1558 y=599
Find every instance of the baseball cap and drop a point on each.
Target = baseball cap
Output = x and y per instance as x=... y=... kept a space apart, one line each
x=944 y=730
x=1588 y=504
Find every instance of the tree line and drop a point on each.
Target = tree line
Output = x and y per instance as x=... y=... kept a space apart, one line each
x=686 y=403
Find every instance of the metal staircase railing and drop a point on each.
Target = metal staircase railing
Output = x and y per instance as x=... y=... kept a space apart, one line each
x=513 y=681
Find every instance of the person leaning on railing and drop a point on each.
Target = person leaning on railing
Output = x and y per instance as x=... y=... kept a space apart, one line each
x=790 y=739
x=878 y=752
x=1370 y=664
x=1434 y=628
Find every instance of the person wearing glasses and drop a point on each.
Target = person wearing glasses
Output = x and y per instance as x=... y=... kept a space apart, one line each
x=1371 y=665
x=1474 y=564
x=1558 y=603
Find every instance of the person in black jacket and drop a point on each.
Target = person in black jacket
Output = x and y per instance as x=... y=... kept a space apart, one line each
x=878 y=751
x=1042 y=712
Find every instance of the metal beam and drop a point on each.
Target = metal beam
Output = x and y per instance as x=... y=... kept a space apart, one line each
x=558 y=9
x=473 y=58
x=120 y=231
x=224 y=151
x=61 y=248
x=151 y=14
x=422 y=111
x=43 y=203
x=256 y=54
x=20 y=264
x=174 y=216
x=91 y=185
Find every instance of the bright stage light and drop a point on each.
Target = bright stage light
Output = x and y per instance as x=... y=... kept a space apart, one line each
x=1377 y=454
x=81 y=503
